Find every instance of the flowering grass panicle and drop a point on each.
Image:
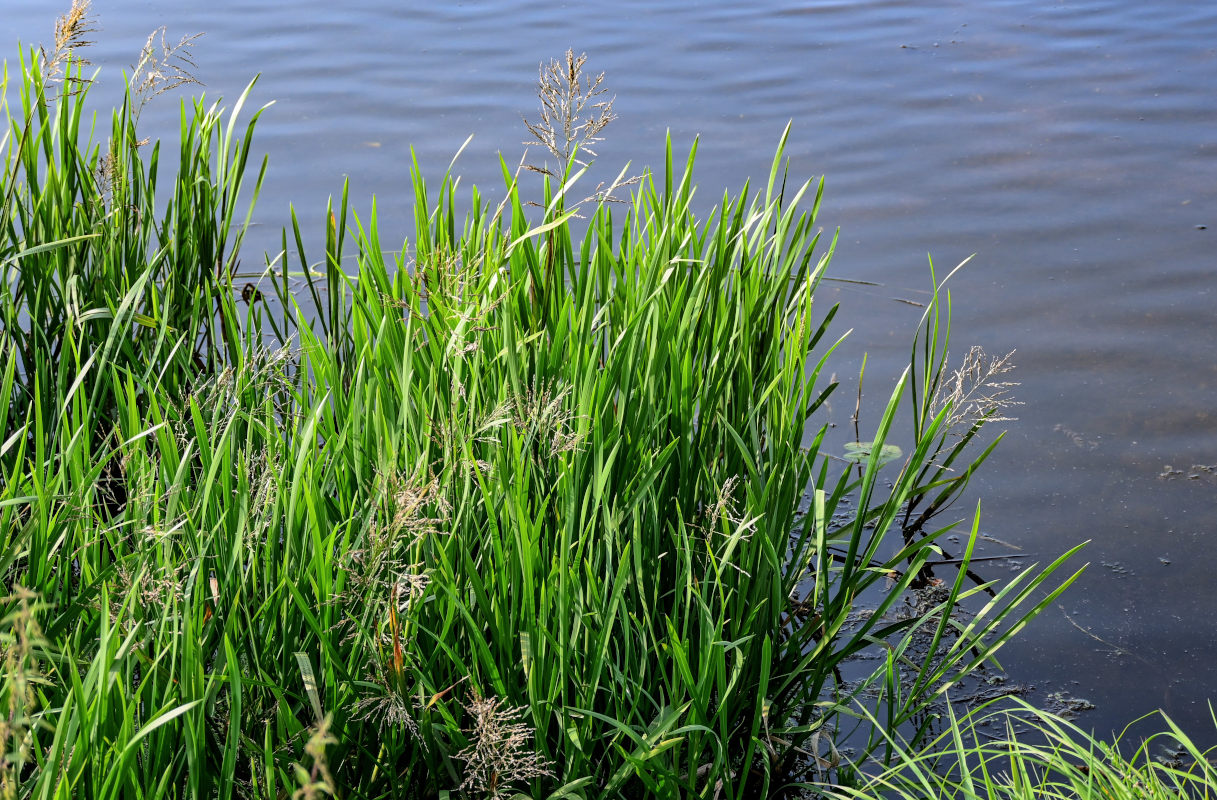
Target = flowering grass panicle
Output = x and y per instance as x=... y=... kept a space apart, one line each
x=573 y=112
x=500 y=754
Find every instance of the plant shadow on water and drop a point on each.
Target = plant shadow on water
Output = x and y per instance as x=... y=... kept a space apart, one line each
x=515 y=510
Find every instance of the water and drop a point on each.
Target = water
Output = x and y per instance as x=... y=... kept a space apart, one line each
x=1071 y=145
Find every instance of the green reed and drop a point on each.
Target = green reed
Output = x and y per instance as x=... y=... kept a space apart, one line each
x=515 y=510
x=1041 y=755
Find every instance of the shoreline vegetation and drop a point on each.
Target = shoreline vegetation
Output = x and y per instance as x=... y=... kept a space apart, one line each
x=519 y=511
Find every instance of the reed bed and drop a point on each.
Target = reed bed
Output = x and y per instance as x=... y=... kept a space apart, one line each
x=514 y=512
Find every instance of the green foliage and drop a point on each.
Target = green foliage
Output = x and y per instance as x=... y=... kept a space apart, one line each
x=98 y=268
x=1040 y=755
x=514 y=512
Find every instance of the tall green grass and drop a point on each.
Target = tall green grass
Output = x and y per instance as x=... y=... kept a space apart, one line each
x=514 y=511
x=1036 y=754
x=88 y=225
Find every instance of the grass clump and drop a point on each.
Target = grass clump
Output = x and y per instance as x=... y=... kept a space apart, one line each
x=513 y=511
x=1041 y=755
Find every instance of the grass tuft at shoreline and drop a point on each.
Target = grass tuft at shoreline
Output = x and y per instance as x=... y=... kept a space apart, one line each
x=514 y=511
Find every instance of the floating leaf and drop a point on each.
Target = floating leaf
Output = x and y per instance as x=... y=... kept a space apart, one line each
x=859 y=452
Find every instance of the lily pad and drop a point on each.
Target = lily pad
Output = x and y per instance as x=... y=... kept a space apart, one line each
x=859 y=452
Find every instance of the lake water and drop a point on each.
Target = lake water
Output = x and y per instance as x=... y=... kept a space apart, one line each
x=1071 y=145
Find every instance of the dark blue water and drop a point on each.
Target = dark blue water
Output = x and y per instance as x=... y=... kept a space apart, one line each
x=1071 y=145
